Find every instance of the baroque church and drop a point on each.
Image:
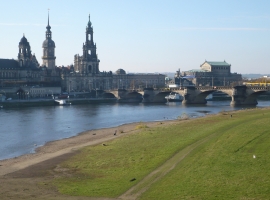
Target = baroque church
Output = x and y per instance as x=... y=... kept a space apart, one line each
x=88 y=63
x=86 y=75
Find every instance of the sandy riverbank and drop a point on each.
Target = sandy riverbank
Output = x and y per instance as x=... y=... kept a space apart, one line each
x=26 y=177
x=69 y=145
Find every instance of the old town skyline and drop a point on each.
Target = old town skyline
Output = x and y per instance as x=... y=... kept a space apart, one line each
x=154 y=38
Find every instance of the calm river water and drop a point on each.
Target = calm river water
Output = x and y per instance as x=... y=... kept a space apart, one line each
x=24 y=129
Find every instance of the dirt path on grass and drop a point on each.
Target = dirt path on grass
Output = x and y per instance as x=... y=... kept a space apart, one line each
x=134 y=192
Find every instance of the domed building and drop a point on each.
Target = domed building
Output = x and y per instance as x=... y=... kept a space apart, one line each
x=24 y=54
x=120 y=72
x=19 y=73
x=25 y=57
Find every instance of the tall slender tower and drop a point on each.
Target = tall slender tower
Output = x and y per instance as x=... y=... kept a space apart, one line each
x=48 y=49
x=89 y=58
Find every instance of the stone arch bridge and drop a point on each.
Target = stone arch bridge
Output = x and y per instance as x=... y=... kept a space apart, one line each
x=241 y=95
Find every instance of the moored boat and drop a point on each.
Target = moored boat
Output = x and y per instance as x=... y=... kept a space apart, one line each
x=174 y=97
x=62 y=102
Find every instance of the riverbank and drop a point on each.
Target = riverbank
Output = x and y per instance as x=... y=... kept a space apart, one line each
x=29 y=175
x=69 y=145
x=25 y=173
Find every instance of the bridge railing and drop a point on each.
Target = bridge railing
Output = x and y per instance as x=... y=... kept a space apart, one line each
x=198 y=88
x=259 y=87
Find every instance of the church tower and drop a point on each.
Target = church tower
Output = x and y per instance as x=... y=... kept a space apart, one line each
x=48 y=49
x=24 y=55
x=90 y=61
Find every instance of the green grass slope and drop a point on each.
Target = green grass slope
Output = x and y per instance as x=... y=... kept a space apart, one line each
x=221 y=168
x=224 y=168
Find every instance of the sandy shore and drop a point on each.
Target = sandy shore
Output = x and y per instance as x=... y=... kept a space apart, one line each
x=69 y=145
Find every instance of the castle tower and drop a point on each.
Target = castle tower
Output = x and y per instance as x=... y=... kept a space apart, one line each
x=24 y=55
x=48 y=49
x=89 y=59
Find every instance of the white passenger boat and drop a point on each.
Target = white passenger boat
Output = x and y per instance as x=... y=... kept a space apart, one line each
x=174 y=97
x=62 y=102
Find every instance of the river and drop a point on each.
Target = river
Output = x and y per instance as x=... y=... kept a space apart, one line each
x=22 y=130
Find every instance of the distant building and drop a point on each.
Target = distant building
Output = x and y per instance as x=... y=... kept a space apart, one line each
x=212 y=74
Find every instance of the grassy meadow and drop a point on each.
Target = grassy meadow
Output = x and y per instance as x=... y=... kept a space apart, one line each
x=232 y=163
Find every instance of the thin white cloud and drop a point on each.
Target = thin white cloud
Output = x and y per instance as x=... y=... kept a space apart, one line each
x=22 y=24
x=215 y=29
x=226 y=29
x=246 y=17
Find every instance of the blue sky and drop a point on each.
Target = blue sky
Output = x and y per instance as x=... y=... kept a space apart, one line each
x=145 y=35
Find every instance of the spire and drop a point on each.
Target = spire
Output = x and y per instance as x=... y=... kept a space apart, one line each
x=48 y=32
x=48 y=26
x=48 y=17
x=89 y=22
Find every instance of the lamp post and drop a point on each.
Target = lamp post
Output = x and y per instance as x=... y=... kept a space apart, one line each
x=4 y=92
x=265 y=78
x=27 y=93
x=52 y=94
x=69 y=87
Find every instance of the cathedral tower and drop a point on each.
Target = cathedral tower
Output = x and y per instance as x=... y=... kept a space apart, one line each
x=88 y=63
x=48 y=49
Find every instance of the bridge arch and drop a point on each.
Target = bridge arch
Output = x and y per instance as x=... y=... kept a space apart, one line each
x=155 y=96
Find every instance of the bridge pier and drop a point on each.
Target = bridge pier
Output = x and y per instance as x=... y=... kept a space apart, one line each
x=193 y=96
x=240 y=96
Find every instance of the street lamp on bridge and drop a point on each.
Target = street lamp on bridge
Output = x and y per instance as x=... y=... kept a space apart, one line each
x=3 y=91
x=52 y=93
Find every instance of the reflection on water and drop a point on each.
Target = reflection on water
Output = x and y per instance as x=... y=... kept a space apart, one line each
x=24 y=129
